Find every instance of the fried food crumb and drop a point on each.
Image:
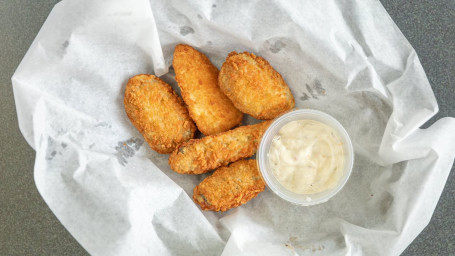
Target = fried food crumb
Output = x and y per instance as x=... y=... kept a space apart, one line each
x=254 y=87
x=197 y=78
x=229 y=187
x=158 y=113
x=202 y=155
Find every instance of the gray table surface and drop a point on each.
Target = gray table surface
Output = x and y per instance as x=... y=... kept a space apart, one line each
x=28 y=227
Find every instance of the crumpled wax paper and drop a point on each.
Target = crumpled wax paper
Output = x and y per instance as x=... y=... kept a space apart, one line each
x=116 y=196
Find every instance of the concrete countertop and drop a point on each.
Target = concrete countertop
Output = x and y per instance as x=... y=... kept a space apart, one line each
x=28 y=227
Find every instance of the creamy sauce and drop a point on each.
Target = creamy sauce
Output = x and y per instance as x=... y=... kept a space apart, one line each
x=307 y=157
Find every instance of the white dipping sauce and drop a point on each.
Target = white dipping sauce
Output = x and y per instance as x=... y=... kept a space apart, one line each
x=307 y=157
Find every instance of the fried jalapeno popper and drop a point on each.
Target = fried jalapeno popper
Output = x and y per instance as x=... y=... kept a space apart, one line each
x=254 y=86
x=202 y=155
x=197 y=78
x=158 y=113
x=229 y=187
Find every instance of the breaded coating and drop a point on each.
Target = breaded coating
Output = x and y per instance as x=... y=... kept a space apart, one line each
x=254 y=86
x=202 y=155
x=197 y=78
x=229 y=187
x=158 y=113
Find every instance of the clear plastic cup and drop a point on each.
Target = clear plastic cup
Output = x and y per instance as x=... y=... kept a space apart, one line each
x=266 y=171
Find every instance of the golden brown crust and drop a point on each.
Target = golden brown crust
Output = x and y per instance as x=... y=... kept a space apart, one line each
x=202 y=155
x=229 y=187
x=254 y=86
x=158 y=113
x=197 y=78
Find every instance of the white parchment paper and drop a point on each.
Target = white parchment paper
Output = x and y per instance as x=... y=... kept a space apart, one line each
x=118 y=197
